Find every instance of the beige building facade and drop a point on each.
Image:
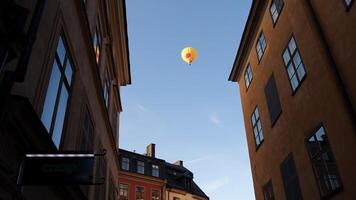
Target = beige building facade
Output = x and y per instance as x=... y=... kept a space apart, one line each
x=295 y=72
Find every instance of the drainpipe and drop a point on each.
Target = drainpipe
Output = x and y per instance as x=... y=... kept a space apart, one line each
x=339 y=81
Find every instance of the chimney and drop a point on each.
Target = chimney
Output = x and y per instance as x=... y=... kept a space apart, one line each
x=151 y=150
x=179 y=163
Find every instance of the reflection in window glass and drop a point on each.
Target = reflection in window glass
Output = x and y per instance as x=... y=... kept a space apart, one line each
x=140 y=167
x=140 y=193
x=125 y=163
x=261 y=45
x=324 y=164
x=257 y=127
x=248 y=76
x=123 y=192
x=294 y=64
x=155 y=170
x=97 y=41
x=55 y=104
x=156 y=195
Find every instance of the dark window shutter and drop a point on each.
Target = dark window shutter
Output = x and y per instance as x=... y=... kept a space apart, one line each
x=290 y=179
x=273 y=103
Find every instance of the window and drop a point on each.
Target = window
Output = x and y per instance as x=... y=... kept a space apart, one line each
x=294 y=64
x=55 y=105
x=97 y=41
x=87 y=133
x=140 y=167
x=156 y=195
x=275 y=9
x=123 y=192
x=125 y=163
x=140 y=193
x=155 y=170
x=290 y=179
x=348 y=3
x=257 y=127
x=324 y=165
x=248 y=76
x=106 y=92
x=261 y=45
x=273 y=103
x=268 y=191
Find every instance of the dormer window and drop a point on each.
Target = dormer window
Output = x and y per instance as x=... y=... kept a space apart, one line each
x=155 y=170
x=140 y=167
x=125 y=163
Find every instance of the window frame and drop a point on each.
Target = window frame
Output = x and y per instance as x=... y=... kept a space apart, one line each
x=137 y=166
x=97 y=40
x=257 y=146
x=106 y=91
x=348 y=6
x=286 y=182
x=64 y=83
x=250 y=78
x=122 y=163
x=144 y=192
x=155 y=190
x=124 y=189
x=274 y=120
x=258 y=45
x=278 y=11
x=155 y=169
x=309 y=136
x=265 y=188
x=300 y=81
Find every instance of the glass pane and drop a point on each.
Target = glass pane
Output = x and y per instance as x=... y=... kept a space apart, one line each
x=255 y=131
x=294 y=82
x=286 y=57
x=58 y=127
x=61 y=51
x=263 y=42
x=296 y=59
x=275 y=16
x=290 y=70
x=261 y=136
x=95 y=40
x=257 y=115
x=301 y=71
x=292 y=45
x=259 y=126
x=69 y=72
x=320 y=134
x=51 y=96
x=253 y=120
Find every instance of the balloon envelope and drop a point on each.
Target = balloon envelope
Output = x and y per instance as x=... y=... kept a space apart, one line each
x=189 y=54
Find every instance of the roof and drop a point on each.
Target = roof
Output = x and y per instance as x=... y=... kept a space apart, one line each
x=252 y=23
x=175 y=175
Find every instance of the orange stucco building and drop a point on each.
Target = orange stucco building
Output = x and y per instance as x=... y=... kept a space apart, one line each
x=295 y=73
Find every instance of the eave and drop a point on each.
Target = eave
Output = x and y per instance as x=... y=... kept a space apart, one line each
x=251 y=25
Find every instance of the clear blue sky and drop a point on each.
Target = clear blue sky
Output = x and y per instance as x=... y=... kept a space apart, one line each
x=192 y=113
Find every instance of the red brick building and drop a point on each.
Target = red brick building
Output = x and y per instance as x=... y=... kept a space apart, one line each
x=296 y=73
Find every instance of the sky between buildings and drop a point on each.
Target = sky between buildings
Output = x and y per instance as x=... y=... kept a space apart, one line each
x=192 y=113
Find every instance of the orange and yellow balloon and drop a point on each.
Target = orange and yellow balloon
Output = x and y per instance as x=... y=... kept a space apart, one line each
x=189 y=54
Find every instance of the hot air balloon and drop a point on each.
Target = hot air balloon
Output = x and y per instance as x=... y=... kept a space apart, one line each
x=189 y=54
